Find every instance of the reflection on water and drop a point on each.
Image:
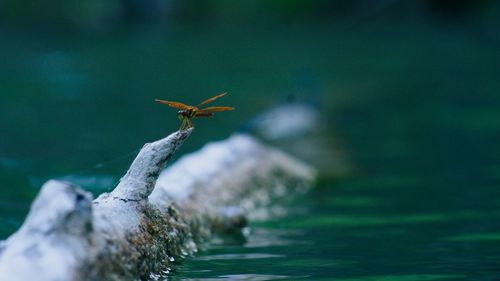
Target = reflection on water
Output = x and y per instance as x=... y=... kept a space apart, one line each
x=262 y=237
x=354 y=241
x=413 y=277
x=250 y=277
x=238 y=257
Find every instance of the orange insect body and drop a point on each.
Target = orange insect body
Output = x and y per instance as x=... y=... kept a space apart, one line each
x=188 y=112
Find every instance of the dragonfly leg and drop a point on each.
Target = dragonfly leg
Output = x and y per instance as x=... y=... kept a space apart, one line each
x=183 y=122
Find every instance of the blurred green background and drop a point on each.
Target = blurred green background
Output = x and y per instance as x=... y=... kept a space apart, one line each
x=410 y=88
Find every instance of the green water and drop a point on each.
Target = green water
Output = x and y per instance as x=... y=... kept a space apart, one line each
x=415 y=107
x=423 y=207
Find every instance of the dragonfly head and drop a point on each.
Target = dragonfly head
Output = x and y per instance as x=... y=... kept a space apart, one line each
x=183 y=113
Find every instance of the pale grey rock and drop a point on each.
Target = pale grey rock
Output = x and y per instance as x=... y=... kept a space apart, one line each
x=54 y=241
x=136 y=231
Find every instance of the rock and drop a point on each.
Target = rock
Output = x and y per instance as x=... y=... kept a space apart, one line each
x=141 y=227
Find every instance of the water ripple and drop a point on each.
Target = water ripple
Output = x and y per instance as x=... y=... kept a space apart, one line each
x=248 y=256
x=248 y=277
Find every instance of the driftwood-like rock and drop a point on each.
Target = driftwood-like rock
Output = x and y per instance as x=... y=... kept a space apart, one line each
x=237 y=173
x=139 y=229
x=54 y=241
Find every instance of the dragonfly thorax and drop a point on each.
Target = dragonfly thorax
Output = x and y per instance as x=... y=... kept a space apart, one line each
x=189 y=113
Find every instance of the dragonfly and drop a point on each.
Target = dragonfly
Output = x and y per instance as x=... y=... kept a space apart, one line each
x=188 y=112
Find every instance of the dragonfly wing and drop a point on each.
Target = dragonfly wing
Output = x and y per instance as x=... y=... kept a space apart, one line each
x=173 y=104
x=216 y=109
x=212 y=99
x=203 y=114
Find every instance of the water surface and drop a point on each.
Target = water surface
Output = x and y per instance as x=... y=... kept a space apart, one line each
x=417 y=115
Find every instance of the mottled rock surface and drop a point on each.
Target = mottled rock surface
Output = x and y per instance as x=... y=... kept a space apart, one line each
x=149 y=220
